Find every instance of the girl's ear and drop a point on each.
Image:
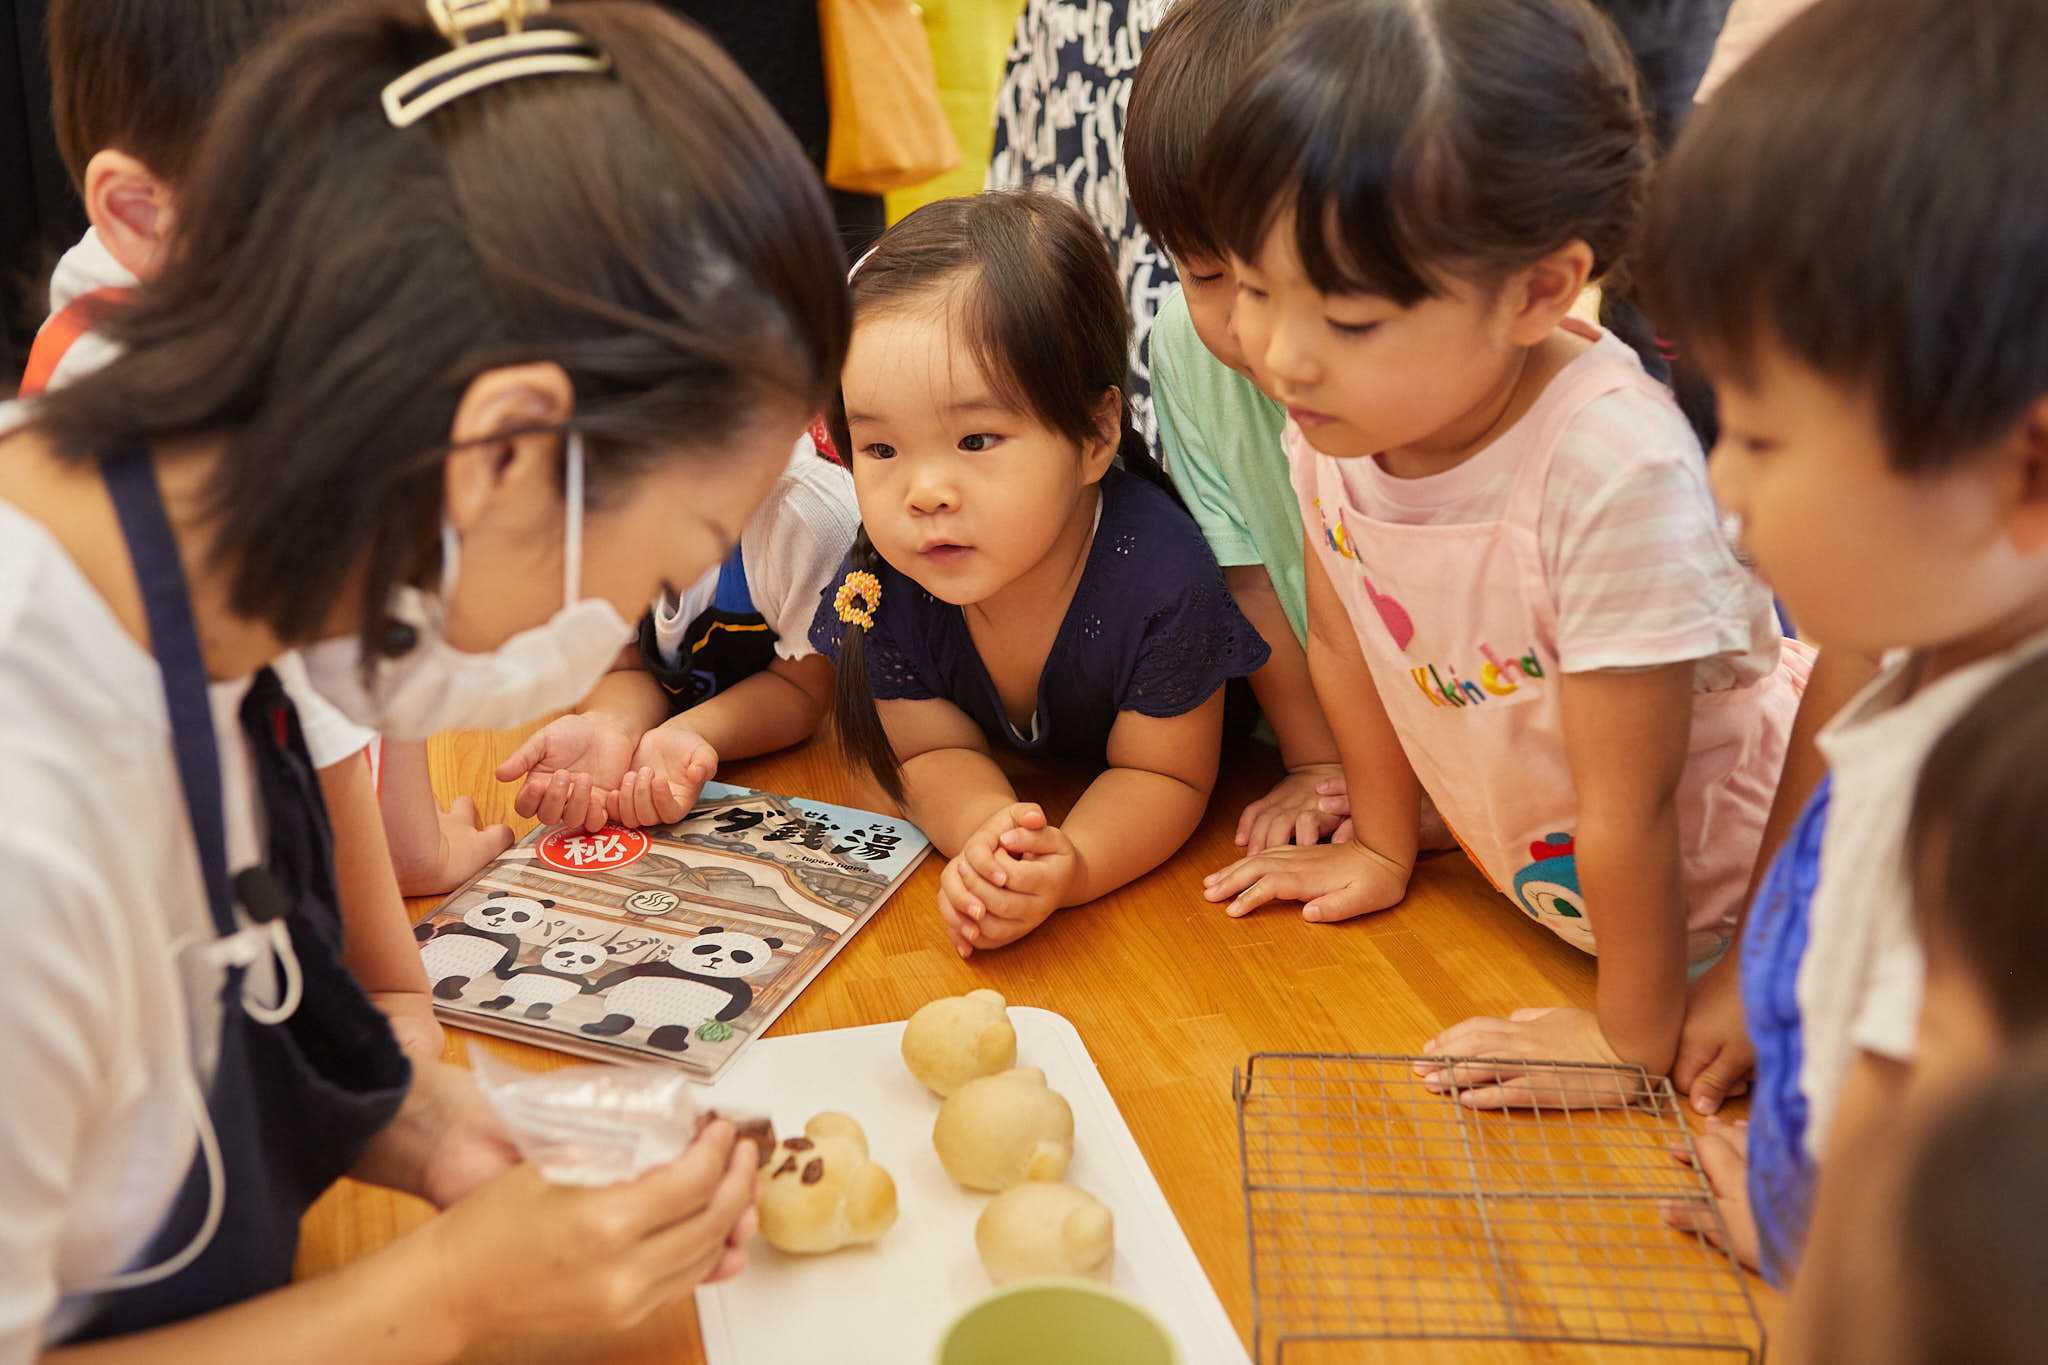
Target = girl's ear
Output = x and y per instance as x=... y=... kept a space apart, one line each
x=2027 y=517
x=1100 y=452
x=506 y=440
x=130 y=209
x=1540 y=295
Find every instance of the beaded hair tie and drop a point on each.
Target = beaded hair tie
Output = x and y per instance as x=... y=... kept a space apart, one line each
x=862 y=587
x=478 y=63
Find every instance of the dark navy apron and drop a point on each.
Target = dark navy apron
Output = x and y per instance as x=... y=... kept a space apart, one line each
x=295 y=1103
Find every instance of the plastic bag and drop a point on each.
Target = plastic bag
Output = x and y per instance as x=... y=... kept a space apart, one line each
x=591 y=1125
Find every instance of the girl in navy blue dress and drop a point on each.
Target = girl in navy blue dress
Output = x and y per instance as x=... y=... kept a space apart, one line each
x=1013 y=583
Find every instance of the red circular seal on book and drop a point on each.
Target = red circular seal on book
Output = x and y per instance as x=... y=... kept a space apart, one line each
x=611 y=847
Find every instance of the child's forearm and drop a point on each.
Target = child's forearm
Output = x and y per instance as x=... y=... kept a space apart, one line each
x=769 y=710
x=412 y=818
x=1285 y=691
x=377 y=943
x=1129 y=821
x=1629 y=870
x=1386 y=798
x=630 y=696
x=951 y=793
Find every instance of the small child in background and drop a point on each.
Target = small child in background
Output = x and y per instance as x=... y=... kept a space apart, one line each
x=1012 y=584
x=1520 y=599
x=1882 y=377
x=133 y=82
x=723 y=670
x=1950 y=1218
x=1219 y=434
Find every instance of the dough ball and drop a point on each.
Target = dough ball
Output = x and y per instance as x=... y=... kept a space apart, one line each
x=819 y=1192
x=1040 y=1228
x=953 y=1040
x=998 y=1131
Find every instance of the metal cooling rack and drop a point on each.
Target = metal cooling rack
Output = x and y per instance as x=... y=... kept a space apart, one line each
x=1380 y=1212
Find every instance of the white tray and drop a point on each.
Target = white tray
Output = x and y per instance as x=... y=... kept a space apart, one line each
x=887 y=1303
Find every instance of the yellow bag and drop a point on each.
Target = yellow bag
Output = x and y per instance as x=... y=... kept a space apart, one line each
x=888 y=129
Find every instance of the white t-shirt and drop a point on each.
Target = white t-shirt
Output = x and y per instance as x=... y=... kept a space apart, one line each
x=1860 y=981
x=99 y=1019
x=87 y=266
x=791 y=549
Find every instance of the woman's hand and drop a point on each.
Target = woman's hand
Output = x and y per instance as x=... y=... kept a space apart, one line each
x=571 y=766
x=1334 y=881
x=1007 y=880
x=1303 y=807
x=669 y=768
x=444 y=1141
x=1538 y=1035
x=522 y=1257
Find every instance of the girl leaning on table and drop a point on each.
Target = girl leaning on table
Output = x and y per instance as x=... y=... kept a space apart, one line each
x=416 y=309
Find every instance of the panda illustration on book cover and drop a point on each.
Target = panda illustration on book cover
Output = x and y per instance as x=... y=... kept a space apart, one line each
x=563 y=973
x=484 y=943
x=703 y=987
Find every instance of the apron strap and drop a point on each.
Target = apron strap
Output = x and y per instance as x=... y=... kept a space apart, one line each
x=173 y=638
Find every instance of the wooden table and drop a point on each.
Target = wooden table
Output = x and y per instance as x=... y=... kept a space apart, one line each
x=1169 y=995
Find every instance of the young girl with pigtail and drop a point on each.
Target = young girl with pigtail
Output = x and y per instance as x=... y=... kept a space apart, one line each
x=1022 y=579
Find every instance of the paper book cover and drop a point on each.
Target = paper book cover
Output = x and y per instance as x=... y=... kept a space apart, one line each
x=680 y=943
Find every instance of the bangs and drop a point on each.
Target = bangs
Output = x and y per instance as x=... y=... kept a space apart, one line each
x=1333 y=122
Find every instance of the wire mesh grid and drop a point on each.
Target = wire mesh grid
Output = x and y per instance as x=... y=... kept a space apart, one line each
x=1380 y=1211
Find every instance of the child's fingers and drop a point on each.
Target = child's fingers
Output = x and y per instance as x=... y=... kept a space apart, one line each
x=673 y=800
x=1346 y=902
x=521 y=760
x=1026 y=815
x=1226 y=882
x=953 y=898
x=555 y=798
x=1025 y=843
x=980 y=853
x=1344 y=832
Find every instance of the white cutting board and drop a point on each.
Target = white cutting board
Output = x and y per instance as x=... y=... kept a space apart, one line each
x=886 y=1304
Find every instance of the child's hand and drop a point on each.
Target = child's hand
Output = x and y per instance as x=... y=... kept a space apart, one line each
x=526 y=1258
x=413 y=1022
x=1298 y=810
x=1335 y=881
x=1724 y=1160
x=570 y=765
x=1714 y=1052
x=1009 y=877
x=669 y=768
x=462 y=848
x=1540 y=1035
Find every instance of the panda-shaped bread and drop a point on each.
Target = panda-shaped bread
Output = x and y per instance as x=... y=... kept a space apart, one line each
x=692 y=986
x=483 y=944
x=563 y=973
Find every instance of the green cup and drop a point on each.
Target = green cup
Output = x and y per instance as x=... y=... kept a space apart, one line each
x=1056 y=1322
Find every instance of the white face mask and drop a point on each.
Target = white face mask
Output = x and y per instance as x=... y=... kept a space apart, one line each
x=434 y=686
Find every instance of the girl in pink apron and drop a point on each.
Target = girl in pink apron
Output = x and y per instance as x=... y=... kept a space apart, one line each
x=1520 y=600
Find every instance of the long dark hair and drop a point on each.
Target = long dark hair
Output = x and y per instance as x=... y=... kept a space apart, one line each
x=1044 y=313
x=337 y=283
x=1421 y=143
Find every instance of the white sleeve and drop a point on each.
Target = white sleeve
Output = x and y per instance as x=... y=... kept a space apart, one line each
x=330 y=736
x=1887 y=1018
x=796 y=545
x=56 y=1016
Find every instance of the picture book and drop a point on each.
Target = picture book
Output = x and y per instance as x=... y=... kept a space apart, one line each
x=680 y=943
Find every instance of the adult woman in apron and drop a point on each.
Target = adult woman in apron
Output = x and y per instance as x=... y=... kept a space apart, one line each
x=445 y=292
